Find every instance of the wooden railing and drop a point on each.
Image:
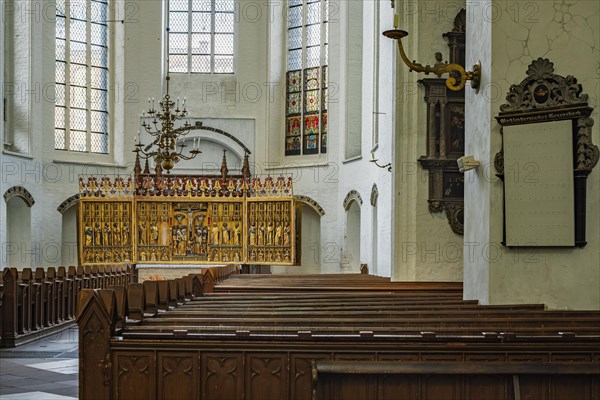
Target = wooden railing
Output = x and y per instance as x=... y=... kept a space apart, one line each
x=37 y=303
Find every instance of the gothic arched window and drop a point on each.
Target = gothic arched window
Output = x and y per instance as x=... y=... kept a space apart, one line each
x=82 y=76
x=201 y=36
x=306 y=105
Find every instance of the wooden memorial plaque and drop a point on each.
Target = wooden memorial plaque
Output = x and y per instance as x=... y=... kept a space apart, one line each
x=546 y=155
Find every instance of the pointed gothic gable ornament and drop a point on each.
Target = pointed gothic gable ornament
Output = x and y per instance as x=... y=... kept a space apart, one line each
x=540 y=105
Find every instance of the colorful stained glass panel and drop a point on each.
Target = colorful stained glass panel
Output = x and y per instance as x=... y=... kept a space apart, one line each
x=311 y=144
x=293 y=103
x=311 y=78
x=293 y=81
x=293 y=126
x=311 y=124
x=311 y=101
x=311 y=134
x=292 y=146
x=324 y=133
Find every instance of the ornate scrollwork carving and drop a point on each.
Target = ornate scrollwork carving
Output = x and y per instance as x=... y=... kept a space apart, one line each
x=499 y=163
x=435 y=206
x=542 y=97
x=542 y=88
x=587 y=152
x=456 y=218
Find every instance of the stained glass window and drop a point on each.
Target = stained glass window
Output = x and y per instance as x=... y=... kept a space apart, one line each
x=81 y=76
x=201 y=36
x=306 y=105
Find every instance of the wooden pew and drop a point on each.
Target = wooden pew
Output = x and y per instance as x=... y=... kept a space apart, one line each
x=248 y=341
x=41 y=302
x=375 y=380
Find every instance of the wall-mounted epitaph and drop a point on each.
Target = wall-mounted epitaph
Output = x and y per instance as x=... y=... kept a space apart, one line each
x=547 y=154
x=446 y=134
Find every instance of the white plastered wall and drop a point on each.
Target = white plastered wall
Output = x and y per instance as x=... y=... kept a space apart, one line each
x=426 y=249
x=252 y=98
x=506 y=44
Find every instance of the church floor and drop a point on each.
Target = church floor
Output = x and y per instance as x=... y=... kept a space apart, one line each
x=46 y=369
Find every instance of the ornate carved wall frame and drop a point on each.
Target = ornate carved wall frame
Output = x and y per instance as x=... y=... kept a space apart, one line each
x=544 y=96
x=446 y=135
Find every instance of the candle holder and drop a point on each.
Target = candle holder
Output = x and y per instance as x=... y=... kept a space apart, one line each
x=162 y=127
x=454 y=70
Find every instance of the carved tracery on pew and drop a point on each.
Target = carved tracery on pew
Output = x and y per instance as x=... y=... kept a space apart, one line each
x=446 y=135
x=97 y=317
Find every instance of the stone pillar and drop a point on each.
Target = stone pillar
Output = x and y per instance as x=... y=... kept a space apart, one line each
x=511 y=38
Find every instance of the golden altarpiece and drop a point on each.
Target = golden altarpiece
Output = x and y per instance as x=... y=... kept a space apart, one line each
x=164 y=219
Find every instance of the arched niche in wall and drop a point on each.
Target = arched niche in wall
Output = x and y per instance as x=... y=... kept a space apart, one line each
x=351 y=248
x=352 y=195
x=68 y=246
x=374 y=195
x=18 y=247
x=310 y=202
x=310 y=223
x=374 y=229
x=19 y=191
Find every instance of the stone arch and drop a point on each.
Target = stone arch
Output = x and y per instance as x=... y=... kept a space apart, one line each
x=312 y=203
x=215 y=135
x=226 y=134
x=19 y=191
x=352 y=195
x=374 y=195
x=68 y=203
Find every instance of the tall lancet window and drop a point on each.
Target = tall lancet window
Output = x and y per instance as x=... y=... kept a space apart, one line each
x=306 y=105
x=81 y=105
x=201 y=36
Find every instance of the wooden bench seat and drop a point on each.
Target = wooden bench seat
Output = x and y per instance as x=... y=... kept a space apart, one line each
x=263 y=341
x=379 y=380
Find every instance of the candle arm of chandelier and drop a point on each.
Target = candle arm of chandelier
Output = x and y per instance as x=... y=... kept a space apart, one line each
x=452 y=84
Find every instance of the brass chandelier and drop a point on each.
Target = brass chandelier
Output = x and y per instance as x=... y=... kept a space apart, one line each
x=164 y=149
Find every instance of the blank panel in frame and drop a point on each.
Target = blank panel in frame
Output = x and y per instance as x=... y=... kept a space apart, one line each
x=539 y=192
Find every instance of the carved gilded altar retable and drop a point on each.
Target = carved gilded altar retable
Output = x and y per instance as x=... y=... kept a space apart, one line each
x=191 y=220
